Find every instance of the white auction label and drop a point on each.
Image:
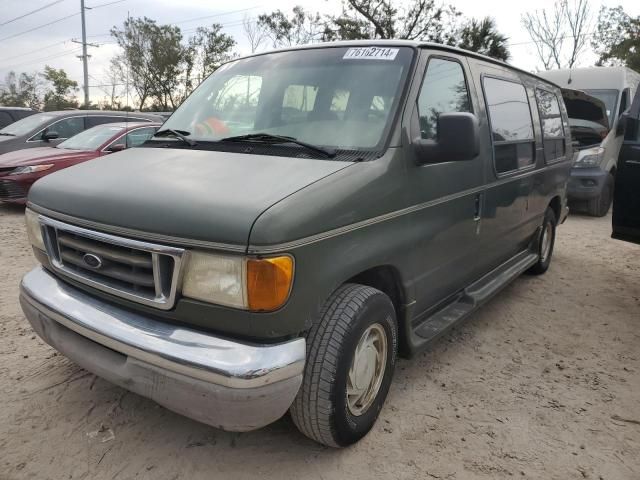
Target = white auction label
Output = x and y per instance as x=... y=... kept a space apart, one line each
x=371 y=53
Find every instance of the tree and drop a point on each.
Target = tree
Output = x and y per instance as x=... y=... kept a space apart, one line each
x=210 y=48
x=60 y=95
x=283 y=31
x=560 y=35
x=386 y=19
x=255 y=35
x=21 y=90
x=154 y=57
x=482 y=36
x=617 y=38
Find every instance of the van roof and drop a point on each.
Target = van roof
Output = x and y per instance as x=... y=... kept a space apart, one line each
x=406 y=43
x=593 y=77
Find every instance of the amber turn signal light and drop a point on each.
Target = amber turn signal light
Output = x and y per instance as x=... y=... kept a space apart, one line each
x=269 y=282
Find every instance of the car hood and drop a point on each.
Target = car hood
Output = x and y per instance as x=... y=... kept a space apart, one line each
x=192 y=194
x=34 y=156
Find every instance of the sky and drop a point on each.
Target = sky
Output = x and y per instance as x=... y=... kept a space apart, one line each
x=26 y=48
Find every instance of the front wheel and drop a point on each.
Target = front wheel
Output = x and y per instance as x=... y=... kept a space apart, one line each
x=599 y=207
x=351 y=354
x=546 y=242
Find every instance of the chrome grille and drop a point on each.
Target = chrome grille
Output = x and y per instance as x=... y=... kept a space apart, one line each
x=144 y=272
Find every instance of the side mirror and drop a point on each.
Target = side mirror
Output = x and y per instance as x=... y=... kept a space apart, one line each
x=117 y=147
x=458 y=139
x=50 y=135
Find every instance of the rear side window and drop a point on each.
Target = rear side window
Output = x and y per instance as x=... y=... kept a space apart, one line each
x=444 y=90
x=552 y=130
x=137 y=137
x=5 y=119
x=511 y=124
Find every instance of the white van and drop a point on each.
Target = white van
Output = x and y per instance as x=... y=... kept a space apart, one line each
x=592 y=176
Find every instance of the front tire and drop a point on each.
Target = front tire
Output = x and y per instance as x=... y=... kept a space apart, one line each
x=546 y=242
x=599 y=207
x=351 y=355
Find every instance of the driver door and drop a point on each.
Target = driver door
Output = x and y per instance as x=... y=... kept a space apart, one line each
x=626 y=199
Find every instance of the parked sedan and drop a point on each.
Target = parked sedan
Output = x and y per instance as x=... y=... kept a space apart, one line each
x=48 y=129
x=19 y=169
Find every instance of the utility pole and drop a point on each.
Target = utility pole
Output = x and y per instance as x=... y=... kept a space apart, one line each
x=84 y=55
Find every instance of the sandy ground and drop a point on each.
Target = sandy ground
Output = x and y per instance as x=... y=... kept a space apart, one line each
x=543 y=382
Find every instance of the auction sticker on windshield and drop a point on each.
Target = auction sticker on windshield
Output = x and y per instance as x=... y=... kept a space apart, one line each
x=371 y=53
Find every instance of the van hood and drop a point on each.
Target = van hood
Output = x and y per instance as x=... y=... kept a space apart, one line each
x=582 y=106
x=34 y=156
x=192 y=194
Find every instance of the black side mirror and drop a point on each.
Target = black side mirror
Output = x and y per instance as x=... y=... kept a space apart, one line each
x=118 y=147
x=50 y=135
x=458 y=139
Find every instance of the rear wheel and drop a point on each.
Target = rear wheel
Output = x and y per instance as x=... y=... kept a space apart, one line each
x=599 y=207
x=351 y=354
x=546 y=242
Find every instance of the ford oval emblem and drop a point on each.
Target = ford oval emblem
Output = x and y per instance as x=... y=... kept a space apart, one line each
x=92 y=261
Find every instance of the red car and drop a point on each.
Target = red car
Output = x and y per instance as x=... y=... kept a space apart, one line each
x=20 y=168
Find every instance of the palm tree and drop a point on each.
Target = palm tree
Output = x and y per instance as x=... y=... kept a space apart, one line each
x=482 y=36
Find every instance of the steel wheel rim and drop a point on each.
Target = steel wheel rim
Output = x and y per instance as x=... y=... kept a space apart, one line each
x=367 y=369
x=545 y=242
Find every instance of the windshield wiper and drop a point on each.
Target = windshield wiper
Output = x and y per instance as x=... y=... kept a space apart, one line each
x=179 y=134
x=269 y=138
x=8 y=134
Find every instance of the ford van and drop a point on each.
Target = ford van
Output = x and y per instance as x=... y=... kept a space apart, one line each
x=303 y=218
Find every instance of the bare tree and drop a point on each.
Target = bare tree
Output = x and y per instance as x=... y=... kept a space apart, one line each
x=560 y=34
x=255 y=35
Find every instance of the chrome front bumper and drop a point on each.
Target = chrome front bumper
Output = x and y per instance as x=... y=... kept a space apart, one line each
x=231 y=385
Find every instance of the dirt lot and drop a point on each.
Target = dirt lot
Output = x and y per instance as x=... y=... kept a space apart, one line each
x=543 y=382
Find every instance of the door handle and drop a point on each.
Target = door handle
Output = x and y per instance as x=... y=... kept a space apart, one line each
x=477 y=207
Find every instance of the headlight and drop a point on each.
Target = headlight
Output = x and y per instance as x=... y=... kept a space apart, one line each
x=30 y=169
x=34 y=230
x=589 y=158
x=234 y=281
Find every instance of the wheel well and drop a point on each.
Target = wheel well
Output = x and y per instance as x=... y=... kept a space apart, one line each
x=613 y=171
x=556 y=206
x=386 y=279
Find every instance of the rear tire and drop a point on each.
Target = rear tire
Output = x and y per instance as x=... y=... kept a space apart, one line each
x=599 y=207
x=545 y=243
x=351 y=354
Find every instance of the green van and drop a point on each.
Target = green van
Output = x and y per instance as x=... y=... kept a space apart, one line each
x=304 y=217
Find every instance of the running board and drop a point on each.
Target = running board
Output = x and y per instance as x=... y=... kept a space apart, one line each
x=471 y=298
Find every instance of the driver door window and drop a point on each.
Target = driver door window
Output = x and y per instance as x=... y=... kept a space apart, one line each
x=444 y=90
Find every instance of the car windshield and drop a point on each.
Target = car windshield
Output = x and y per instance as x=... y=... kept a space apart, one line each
x=26 y=125
x=92 y=138
x=609 y=98
x=342 y=97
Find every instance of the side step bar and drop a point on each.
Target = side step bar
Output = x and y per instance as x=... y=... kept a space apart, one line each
x=471 y=298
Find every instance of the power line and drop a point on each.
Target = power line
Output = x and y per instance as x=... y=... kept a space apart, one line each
x=39 y=27
x=44 y=59
x=37 y=50
x=31 y=12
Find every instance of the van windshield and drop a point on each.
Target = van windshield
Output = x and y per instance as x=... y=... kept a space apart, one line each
x=336 y=97
x=609 y=98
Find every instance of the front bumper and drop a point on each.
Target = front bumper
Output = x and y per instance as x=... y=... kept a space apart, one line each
x=13 y=191
x=586 y=183
x=230 y=385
